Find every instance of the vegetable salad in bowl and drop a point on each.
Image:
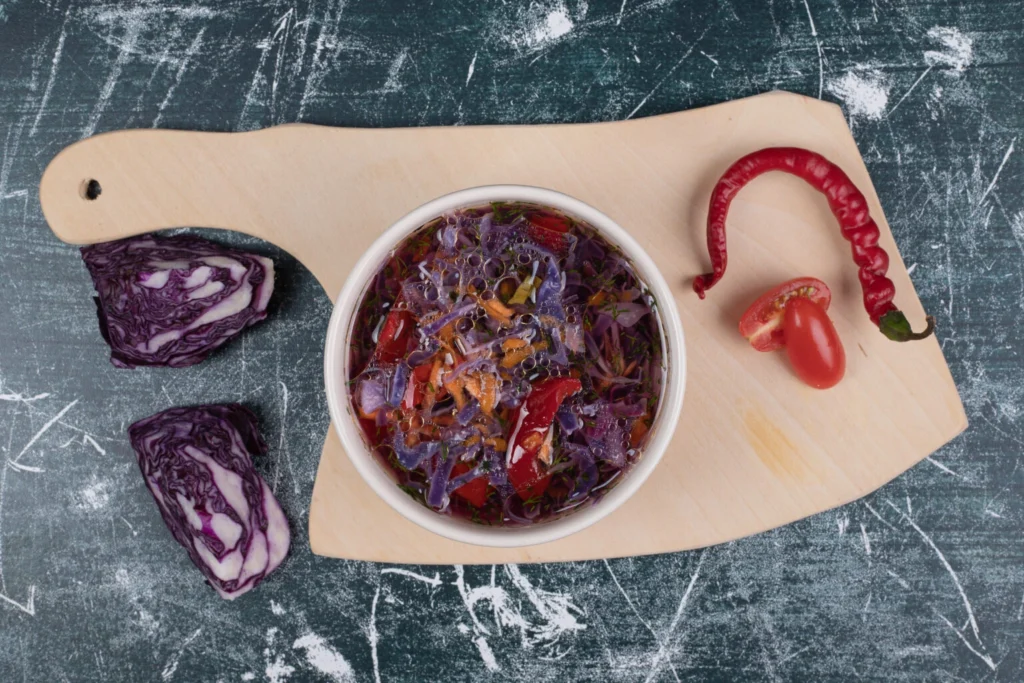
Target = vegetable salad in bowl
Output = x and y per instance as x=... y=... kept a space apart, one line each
x=506 y=364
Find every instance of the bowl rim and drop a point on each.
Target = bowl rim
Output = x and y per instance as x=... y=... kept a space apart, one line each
x=336 y=362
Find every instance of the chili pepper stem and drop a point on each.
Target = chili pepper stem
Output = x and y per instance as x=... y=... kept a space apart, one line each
x=895 y=326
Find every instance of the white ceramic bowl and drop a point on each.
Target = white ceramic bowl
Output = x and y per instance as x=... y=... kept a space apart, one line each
x=336 y=370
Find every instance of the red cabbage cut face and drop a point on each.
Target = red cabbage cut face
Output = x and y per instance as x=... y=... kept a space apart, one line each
x=170 y=301
x=197 y=463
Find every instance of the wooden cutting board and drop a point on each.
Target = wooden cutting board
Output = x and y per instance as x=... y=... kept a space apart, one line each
x=754 y=449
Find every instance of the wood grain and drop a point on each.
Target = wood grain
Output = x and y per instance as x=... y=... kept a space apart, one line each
x=754 y=450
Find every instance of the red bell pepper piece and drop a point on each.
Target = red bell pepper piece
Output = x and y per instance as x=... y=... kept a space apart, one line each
x=531 y=424
x=393 y=341
x=550 y=232
x=474 y=492
x=549 y=222
x=420 y=377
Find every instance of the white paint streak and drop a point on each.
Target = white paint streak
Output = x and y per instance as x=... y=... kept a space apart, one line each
x=957 y=51
x=25 y=468
x=949 y=569
x=276 y=609
x=87 y=440
x=435 y=581
x=629 y=601
x=907 y=94
x=52 y=421
x=172 y=663
x=54 y=63
x=622 y=8
x=29 y=607
x=282 y=444
x=864 y=537
x=373 y=636
x=662 y=651
x=472 y=67
x=132 y=30
x=191 y=52
x=983 y=657
x=821 y=53
x=486 y=654
x=942 y=467
x=995 y=178
x=324 y=658
x=899 y=579
x=393 y=83
x=671 y=71
x=865 y=93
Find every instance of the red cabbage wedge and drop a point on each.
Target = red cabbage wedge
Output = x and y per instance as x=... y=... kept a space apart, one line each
x=171 y=301
x=197 y=463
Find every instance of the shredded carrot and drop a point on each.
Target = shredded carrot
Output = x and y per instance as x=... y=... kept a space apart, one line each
x=638 y=432
x=597 y=299
x=488 y=392
x=629 y=369
x=516 y=356
x=497 y=443
x=473 y=440
x=513 y=343
x=471 y=384
x=455 y=387
x=498 y=311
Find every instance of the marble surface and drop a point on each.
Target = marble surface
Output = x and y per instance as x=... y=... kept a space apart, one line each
x=921 y=581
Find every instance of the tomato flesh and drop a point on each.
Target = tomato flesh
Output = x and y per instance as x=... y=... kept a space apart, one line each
x=812 y=343
x=474 y=492
x=762 y=325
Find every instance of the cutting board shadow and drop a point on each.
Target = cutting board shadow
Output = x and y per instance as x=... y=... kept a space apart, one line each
x=754 y=449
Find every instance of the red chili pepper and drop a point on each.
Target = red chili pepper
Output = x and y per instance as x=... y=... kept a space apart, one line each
x=475 y=491
x=531 y=424
x=393 y=341
x=848 y=205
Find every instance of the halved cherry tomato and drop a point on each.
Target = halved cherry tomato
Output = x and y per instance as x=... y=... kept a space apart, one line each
x=761 y=324
x=393 y=340
x=812 y=344
x=531 y=423
x=474 y=492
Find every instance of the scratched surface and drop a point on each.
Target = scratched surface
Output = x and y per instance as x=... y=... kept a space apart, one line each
x=922 y=581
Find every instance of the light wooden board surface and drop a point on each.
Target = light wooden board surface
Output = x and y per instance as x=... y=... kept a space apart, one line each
x=754 y=449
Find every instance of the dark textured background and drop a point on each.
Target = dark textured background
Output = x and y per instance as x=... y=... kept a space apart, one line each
x=922 y=581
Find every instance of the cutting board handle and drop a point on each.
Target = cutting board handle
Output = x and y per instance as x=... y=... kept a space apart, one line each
x=124 y=183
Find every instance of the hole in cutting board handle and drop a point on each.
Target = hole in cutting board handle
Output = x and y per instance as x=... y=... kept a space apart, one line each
x=91 y=189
